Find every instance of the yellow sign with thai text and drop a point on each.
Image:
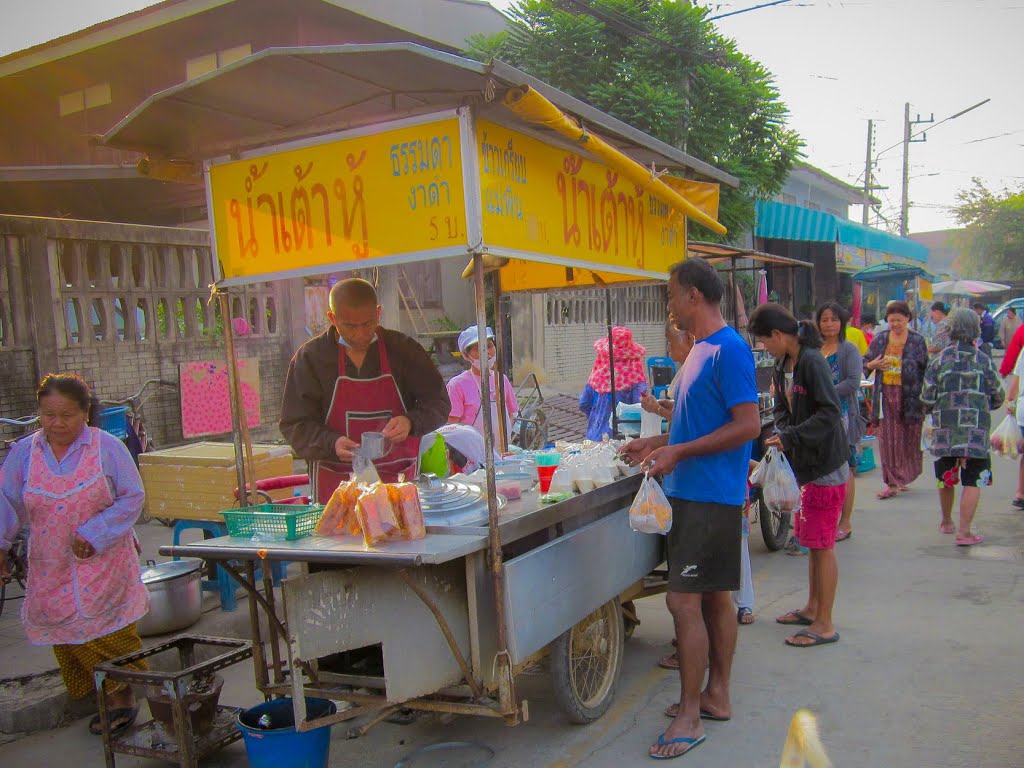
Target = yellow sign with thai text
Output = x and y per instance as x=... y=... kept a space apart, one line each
x=350 y=200
x=541 y=199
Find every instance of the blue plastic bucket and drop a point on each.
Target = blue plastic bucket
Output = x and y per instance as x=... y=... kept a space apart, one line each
x=115 y=421
x=281 y=746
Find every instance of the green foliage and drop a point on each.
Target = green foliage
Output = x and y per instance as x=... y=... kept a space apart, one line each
x=661 y=67
x=994 y=231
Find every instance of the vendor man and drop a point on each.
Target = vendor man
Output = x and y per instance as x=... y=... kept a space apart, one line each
x=358 y=377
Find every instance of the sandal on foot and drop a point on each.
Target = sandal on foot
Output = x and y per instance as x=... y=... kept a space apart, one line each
x=672 y=711
x=969 y=541
x=691 y=745
x=120 y=721
x=745 y=616
x=947 y=528
x=815 y=639
x=669 y=662
x=843 y=535
x=887 y=493
x=798 y=619
x=1018 y=503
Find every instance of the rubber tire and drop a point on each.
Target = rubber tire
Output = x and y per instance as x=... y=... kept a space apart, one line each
x=629 y=626
x=578 y=712
x=774 y=528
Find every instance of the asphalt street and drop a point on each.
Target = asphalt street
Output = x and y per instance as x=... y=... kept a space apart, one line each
x=927 y=672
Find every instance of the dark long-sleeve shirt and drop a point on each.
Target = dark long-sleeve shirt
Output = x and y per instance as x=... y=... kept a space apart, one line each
x=312 y=374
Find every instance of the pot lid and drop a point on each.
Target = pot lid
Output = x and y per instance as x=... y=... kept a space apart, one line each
x=153 y=573
x=439 y=496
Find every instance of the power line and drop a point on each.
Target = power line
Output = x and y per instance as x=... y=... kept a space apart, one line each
x=746 y=10
x=934 y=125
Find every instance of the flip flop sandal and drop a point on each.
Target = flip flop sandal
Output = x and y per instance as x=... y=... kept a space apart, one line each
x=947 y=528
x=663 y=742
x=887 y=493
x=744 y=616
x=843 y=535
x=672 y=710
x=120 y=721
x=669 y=662
x=970 y=541
x=798 y=619
x=815 y=639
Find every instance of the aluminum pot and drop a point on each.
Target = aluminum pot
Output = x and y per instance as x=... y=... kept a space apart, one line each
x=175 y=596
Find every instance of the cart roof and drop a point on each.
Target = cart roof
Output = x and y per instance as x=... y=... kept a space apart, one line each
x=279 y=94
x=715 y=252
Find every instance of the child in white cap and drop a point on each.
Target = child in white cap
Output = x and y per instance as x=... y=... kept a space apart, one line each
x=465 y=390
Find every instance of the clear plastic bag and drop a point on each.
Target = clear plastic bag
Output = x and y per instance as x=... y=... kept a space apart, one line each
x=1007 y=439
x=927 y=432
x=757 y=476
x=780 y=490
x=650 y=424
x=650 y=511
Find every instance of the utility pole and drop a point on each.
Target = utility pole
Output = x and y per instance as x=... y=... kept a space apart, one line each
x=867 y=174
x=908 y=126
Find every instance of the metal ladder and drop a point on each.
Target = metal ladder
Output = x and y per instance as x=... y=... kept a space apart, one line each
x=410 y=301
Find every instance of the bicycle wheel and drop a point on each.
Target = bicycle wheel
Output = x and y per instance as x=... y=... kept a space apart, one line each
x=586 y=662
x=774 y=525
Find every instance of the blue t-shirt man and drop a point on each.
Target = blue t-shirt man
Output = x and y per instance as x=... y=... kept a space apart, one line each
x=717 y=375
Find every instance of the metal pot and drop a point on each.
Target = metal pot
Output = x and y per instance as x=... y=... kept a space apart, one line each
x=175 y=596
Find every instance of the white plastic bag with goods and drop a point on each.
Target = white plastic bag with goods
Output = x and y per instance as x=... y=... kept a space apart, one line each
x=927 y=432
x=780 y=490
x=1007 y=439
x=650 y=511
x=650 y=424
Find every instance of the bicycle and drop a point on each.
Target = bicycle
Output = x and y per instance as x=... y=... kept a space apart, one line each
x=17 y=564
x=137 y=440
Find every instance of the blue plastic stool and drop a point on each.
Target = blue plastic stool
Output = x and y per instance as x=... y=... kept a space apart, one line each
x=660 y=370
x=223 y=581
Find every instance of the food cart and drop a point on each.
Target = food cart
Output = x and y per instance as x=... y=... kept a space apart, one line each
x=318 y=159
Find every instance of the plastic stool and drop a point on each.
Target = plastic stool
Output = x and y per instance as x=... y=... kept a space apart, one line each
x=223 y=582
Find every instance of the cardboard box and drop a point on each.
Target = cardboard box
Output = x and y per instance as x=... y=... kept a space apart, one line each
x=197 y=481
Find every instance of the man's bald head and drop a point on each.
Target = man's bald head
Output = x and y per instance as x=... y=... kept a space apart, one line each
x=354 y=293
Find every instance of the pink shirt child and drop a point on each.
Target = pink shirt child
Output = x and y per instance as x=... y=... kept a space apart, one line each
x=464 y=392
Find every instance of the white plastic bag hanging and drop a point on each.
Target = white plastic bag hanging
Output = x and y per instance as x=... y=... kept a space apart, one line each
x=650 y=511
x=1007 y=439
x=757 y=476
x=927 y=432
x=650 y=424
x=780 y=490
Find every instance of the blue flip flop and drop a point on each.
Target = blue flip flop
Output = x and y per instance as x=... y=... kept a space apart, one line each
x=663 y=742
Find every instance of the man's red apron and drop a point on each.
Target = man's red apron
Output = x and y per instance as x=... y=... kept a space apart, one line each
x=366 y=405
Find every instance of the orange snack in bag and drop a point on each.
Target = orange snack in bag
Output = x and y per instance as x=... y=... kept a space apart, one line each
x=339 y=515
x=376 y=515
x=405 y=499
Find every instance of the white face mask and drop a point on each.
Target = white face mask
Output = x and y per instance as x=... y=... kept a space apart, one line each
x=491 y=361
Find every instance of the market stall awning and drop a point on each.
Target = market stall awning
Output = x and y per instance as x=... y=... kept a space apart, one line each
x=893 y=271
x=782 y=221
x=308 y=91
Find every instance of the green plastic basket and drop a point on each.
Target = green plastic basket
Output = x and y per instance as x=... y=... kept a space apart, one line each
x=280 y=521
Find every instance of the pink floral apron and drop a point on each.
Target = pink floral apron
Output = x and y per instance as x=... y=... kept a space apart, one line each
x=70 y=600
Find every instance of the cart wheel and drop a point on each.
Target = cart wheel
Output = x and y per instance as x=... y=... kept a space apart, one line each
x=774 y=525
x=586 y=662
x=629 y=619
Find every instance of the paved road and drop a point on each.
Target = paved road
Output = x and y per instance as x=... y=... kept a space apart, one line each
x=928 y=671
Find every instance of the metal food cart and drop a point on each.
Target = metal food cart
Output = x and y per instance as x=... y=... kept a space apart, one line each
x=373 y=155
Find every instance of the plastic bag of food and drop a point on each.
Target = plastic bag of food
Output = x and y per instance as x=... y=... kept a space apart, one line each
x=376 y=515
x=339 y=516
x=650 y=511
x=405 y=500
x=780 y=490
x=757 y=476
x=927 y=432
x=1007 y=439
x=561 y=481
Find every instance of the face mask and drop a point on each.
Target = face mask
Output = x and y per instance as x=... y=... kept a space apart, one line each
x=491 y=361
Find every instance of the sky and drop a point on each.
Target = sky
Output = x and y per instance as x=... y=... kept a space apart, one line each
x=837 y=63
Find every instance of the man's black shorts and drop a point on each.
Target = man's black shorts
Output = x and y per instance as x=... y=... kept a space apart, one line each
x=704 y=546
x=975 y=473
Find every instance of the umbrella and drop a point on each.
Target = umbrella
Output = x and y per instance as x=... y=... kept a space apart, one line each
x=967 y=287
x=762 y=287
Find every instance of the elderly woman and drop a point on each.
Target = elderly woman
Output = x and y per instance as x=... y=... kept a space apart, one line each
x=898 y=357
x=80 y=493
x=630 y=381
x=961 y=387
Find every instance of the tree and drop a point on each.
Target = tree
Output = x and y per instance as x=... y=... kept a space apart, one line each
x=994 y=230
x=660 y=66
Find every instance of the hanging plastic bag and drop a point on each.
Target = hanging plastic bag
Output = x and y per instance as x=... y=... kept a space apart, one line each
x=650 y=424
x=780 y=490
x=1007 y=439
x=757 y=476
x=927 y=432
x=650 y=511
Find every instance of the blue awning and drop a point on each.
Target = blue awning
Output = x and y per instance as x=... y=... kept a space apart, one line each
x=781 y=221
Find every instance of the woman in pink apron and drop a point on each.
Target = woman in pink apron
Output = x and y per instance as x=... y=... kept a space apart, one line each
x=79 y=492
x=466 y=390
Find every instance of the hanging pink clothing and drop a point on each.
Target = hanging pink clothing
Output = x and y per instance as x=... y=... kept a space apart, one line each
x=70 y=600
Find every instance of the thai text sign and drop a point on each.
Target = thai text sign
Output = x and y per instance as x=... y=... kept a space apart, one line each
x=349 y=200
x=543 y=199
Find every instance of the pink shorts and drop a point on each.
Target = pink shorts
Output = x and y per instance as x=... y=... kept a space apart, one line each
x=820 y=508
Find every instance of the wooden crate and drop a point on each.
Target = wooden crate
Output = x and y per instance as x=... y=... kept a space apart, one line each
x=197 y=481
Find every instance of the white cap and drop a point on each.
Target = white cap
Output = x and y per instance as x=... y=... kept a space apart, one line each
x=469 y=337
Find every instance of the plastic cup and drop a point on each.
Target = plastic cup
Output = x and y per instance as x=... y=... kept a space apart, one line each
x=545 y=474
x=371 y=445
x=547 y=459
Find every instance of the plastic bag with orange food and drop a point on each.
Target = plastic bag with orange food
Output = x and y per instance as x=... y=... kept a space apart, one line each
x=339 y=516
x=376 y=515
x=650 y=511
x=405 y=500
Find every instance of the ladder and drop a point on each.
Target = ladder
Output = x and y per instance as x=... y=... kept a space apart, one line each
x=411 y=302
